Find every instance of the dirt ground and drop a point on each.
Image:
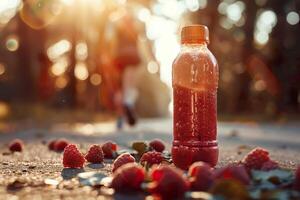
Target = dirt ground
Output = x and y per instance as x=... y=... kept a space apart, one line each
x=37 y=173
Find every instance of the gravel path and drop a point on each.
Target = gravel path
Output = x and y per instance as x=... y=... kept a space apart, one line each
x=37 y=173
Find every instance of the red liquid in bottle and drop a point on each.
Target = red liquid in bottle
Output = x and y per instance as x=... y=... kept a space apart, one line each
x=195 y=81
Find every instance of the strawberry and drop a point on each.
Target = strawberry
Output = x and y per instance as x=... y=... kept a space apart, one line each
x=234 y=172
x=51 y=144
x=297 y=179
x=269 y=165
x=168 y=182
x=60 y=144
x=72 y=158
x=128 y=177
x=95 y=154
x=16 y=145
x=256 y=158
x=122 y=160
x=201 y=176
x=150 y=158
x=109 y=148
x=157 y=145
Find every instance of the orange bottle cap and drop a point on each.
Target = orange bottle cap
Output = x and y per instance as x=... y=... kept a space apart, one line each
x=194 y=34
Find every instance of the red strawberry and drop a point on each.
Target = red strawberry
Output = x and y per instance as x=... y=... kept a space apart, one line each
x=297 y=179
x=16 y=145
x=256 y=158
x=60 y=144
x=150 y=158
x=269 y=165
x=201 y=176
x=51 y=144
x=235 y=172
x=168 y=182
x=157 y=145
x=72 y=157
x=128 y=177
x=95 y=154
x=122 y=160
x=109 y=148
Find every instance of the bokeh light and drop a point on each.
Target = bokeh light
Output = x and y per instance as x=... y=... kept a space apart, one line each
x=81 y=51
x=2 y=69
x=61 y=82
x=8 y=9
x=292 y=18
x=96 y=79
x=59 y=67
x=58 y=49
x=81 y=71
x=264 y=26
x=12 y=43
x=152 y=67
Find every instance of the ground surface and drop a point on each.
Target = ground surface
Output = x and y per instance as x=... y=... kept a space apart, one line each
x=37 y=173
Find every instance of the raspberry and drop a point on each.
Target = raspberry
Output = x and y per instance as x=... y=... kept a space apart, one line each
x=256 y=158
x=60 y=144
x=122 y=160
x=201 y=176
x=16 y=145
x=128 y=177
x=269 y=165
x=109 y=148
x=235 y=172
x=157 y=145
x=297 y=179
x=95 y=154
x=51 y=144
x=152 y=157
x=168 y=182
x=72 y=157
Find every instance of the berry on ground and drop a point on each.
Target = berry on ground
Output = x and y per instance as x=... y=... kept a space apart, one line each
x=122 y=160
x=157 y=145
x=95 y=154
x=150 y=158
x=168 y=182
x=60 y=145
x=201 y=176
x=128 y=177
x=297 y=179
x=256 y=158
x=269 y=165
x=233 y=172
x=109 y=148
x=72 y=157
x=51 y=144
x=16 y=145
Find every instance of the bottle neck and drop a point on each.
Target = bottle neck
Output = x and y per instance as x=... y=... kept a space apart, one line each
x=191 y=45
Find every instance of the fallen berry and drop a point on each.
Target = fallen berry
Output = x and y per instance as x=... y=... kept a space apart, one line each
x=201 y=176
x=157 y=145
x=233 y=172
x=51 y=144
x=150 y=158
x=256 y=158
x=168 y=182
x=16 y=145
x=269 y=165
x=60 y=145
x=122 y=160
x=297 y=179
x=109 y=148
x=72 y=157
x=128 y=177
x=95 y=154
